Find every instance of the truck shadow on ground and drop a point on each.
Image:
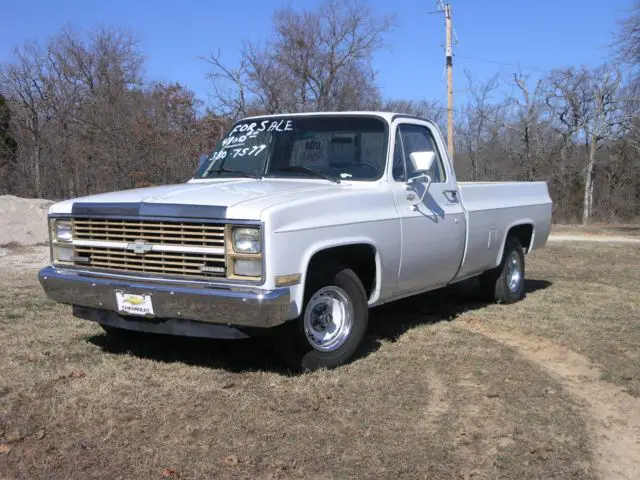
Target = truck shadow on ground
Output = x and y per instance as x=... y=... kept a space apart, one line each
x=389 y=322
x=386 y=323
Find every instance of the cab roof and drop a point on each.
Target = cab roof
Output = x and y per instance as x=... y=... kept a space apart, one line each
x=388 y=116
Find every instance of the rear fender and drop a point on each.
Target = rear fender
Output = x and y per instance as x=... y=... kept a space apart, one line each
x=517 y=223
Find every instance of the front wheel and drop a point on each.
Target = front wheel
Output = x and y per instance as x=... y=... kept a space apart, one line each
x=332 y=324
x=505 y=284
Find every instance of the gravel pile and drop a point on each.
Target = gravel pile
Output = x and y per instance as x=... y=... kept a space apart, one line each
x=23 y=221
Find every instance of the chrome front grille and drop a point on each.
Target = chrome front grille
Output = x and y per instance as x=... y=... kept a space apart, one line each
x=190 y=249
x=164 y=233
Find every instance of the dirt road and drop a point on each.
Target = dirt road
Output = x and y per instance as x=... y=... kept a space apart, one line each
x=594 y=238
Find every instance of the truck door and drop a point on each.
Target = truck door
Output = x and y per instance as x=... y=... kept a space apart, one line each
x=433 y=230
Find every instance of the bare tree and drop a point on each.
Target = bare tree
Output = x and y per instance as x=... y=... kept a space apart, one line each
x=590 y=103
x=480 y=125
x=27 y=85
x=566 y=95
x=84 y=121
x=529 y=126
x=317 y=60
x=606 y=121
x=8 y=145
x=628 y=37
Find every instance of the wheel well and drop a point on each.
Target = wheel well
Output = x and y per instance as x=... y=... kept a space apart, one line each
x=524 y=233
x=361 y=258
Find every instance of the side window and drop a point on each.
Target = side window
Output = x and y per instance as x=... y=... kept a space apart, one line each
x=397 y=169
x=416 y=138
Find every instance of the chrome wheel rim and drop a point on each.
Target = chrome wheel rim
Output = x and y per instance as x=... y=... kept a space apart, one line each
x=328 y=319
x=514 y=272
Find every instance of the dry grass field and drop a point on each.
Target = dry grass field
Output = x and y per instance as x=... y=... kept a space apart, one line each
x=447 y=387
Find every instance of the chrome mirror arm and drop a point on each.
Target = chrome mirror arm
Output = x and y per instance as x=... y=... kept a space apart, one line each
x=426 y=186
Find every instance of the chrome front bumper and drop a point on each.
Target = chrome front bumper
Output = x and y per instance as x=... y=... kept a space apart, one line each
x=238 y=307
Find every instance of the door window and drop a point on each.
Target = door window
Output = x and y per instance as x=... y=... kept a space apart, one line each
x=416 y=138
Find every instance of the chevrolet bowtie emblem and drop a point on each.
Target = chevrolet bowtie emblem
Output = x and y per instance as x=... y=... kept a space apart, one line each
x=139 y=247
x=134 y=300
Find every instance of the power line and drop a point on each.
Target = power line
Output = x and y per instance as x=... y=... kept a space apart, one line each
x=506 y=64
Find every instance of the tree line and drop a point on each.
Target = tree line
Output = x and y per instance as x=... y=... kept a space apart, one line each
x=78 y=116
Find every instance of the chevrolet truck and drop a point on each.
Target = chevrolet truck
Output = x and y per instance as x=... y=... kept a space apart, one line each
x=295 y=225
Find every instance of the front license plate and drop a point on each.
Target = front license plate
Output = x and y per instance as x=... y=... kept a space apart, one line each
x=132 y=304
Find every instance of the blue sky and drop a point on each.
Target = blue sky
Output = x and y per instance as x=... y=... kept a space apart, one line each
x=544 y=34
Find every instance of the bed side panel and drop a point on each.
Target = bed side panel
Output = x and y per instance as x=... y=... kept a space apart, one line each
x=494 y=208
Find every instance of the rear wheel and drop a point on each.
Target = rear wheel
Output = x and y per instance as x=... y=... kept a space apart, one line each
x=332 y=324
x=505 y=283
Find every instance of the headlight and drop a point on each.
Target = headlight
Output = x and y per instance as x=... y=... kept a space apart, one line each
x=62 y=231
x=247 y=240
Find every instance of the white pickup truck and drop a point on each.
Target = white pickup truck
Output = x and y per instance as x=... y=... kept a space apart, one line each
x=295 y=225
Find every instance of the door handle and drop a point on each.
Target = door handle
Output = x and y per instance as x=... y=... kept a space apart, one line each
x=411 y=196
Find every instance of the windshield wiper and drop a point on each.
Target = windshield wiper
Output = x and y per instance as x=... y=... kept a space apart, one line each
x=233 y=170
x=301 y=168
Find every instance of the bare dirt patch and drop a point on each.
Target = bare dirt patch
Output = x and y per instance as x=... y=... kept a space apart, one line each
x=22 y=263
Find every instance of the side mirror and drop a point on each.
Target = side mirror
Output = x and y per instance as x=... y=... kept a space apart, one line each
x=422 y=161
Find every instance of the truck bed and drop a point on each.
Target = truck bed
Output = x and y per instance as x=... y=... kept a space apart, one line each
x=492 y=208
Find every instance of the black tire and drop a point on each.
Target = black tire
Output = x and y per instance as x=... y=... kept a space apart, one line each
x=496 y=283
x=291 y=341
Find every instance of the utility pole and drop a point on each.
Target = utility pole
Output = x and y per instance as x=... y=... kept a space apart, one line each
x=446 y=9
x=449 y=60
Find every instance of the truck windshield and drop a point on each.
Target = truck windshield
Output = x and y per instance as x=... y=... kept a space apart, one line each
x=331 y=147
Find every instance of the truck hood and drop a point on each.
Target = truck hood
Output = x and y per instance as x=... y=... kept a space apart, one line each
x=228 y=195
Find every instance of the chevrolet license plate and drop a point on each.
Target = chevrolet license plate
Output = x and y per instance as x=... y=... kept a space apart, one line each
x=134 y=304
